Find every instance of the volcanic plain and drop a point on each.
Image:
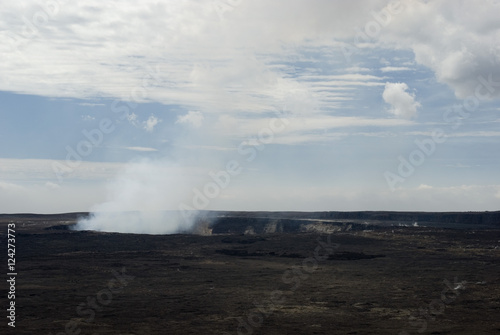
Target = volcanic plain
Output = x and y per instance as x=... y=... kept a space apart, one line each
x=259 y=273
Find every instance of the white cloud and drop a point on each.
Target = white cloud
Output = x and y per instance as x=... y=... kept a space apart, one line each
x=394 y=68
x=90 y=104
x=52 y=185
x=356 y=77
x=459 y=41
x=150 y=123
x=297 y=128
x=209 y=147
x=192 y=118
x=479 y=133
x=7 y=187
x=88 y=118
x=355 y=69
x=49 y=198
x=318 y=198
x=143 y=149
x=46 y=170
x=402 y=103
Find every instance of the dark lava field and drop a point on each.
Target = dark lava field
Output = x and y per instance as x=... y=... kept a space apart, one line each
x=259 y=273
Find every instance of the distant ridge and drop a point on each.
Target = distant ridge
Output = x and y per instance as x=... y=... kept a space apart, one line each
x=482 y=218
x=473 y=218
x=57 y=216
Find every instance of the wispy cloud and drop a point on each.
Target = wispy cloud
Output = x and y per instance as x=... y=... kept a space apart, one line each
x=299 y=129
x=19 y=170
x=142 y=149
x=88 y=118
x=91 y=104
x=394 y=68
x=192 y=118
x=355 y=69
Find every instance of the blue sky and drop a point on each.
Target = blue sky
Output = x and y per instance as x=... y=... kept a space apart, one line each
x=320 y=104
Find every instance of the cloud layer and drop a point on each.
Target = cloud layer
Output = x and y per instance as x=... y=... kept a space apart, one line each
x=240 y=58
x=200 y=81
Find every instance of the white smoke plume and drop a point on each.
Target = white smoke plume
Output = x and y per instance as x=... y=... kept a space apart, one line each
x=143 y=199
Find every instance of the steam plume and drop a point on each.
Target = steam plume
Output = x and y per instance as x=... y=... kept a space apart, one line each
x=143 y=199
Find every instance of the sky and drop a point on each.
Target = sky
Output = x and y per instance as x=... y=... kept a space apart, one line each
x=249 y=105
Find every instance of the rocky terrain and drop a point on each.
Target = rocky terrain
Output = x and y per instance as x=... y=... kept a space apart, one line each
x=260 y=273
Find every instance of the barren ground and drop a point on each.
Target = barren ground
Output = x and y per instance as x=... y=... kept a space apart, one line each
x=385 y=281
